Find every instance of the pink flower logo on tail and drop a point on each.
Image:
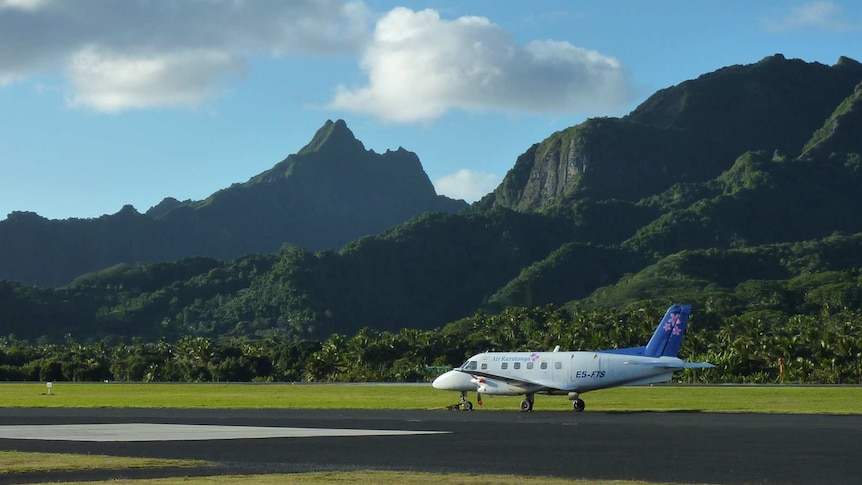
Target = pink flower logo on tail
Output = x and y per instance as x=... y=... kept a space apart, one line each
x=673 y=324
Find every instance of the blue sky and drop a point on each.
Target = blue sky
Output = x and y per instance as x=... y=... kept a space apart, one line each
x=112 y=102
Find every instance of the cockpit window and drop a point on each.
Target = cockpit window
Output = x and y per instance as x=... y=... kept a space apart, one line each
x=469 y=365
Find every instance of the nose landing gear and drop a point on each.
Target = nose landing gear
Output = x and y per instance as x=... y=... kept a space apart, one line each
x=463 y=404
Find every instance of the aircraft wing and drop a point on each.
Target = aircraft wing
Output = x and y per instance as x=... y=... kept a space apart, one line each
x=529 y=382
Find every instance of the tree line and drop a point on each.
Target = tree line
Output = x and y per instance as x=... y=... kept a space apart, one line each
x=756 y=347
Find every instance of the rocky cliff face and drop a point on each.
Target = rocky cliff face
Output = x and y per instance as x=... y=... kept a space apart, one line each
x=686 y=133
x=558 y=166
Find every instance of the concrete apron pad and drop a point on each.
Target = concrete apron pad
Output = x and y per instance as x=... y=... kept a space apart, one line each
x=178 y=432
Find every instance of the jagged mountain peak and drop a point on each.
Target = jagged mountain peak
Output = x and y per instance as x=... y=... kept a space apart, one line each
x=333 y=142
x=333 y=136
x=128 y=210
x=331 y=193
x=846 y=61
x=166 y=205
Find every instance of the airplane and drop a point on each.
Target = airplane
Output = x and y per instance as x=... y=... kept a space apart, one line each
x=572 y=373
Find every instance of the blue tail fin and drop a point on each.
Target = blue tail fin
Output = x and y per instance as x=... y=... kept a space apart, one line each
x=668 y=336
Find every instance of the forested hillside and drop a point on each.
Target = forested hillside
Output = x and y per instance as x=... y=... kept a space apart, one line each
x=737 y=192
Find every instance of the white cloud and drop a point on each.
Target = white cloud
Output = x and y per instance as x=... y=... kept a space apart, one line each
x=466 y=184
x=110 y=83
x=124 y=54
x=820 y=15
x=420 y=66
x=23 y=4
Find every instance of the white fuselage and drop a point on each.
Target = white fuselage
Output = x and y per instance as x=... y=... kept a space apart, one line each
x=514 y=373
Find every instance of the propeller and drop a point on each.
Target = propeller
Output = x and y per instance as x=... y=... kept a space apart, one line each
x=478 y=380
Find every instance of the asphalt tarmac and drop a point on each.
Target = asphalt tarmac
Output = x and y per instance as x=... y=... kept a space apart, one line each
x=660 y=447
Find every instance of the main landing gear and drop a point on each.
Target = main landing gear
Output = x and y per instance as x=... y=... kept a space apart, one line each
x=577 y=403
x=527 y=404
x=463 y=404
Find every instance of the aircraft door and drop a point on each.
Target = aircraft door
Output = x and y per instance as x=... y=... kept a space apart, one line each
x=603 y=366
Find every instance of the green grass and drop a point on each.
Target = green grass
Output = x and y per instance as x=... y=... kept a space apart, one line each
x=13 y=462
x=376 y=477
x=769 y=399
x=20 y=462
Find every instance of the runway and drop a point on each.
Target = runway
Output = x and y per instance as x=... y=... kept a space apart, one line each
x=659 y=447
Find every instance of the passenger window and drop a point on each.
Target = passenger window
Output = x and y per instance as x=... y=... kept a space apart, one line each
x=558 y=365
x=544 y=365
x=504 y=365
x=484 y=366
x=529 y=365
x=517 y=365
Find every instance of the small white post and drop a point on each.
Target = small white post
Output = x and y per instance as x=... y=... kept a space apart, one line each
x=49 y=388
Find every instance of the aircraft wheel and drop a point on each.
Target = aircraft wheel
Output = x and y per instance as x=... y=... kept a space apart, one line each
x=579 y=405
x=468 y=406
x=526 y=406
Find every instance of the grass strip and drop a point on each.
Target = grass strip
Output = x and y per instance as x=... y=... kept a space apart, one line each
x=720 y=398
x=364 y=477
x=24 y=462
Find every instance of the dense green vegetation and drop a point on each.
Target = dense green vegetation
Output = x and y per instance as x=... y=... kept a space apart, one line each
x=825 y=347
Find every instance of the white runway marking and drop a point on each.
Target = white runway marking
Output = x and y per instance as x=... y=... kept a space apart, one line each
x=178 y=432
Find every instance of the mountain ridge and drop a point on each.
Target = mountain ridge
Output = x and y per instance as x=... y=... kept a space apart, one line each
x=331 y=193
x=689 y=132
x=756 y=231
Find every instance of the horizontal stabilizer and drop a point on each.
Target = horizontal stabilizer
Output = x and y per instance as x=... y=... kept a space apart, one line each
x=670 y=365
x=697 y=365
